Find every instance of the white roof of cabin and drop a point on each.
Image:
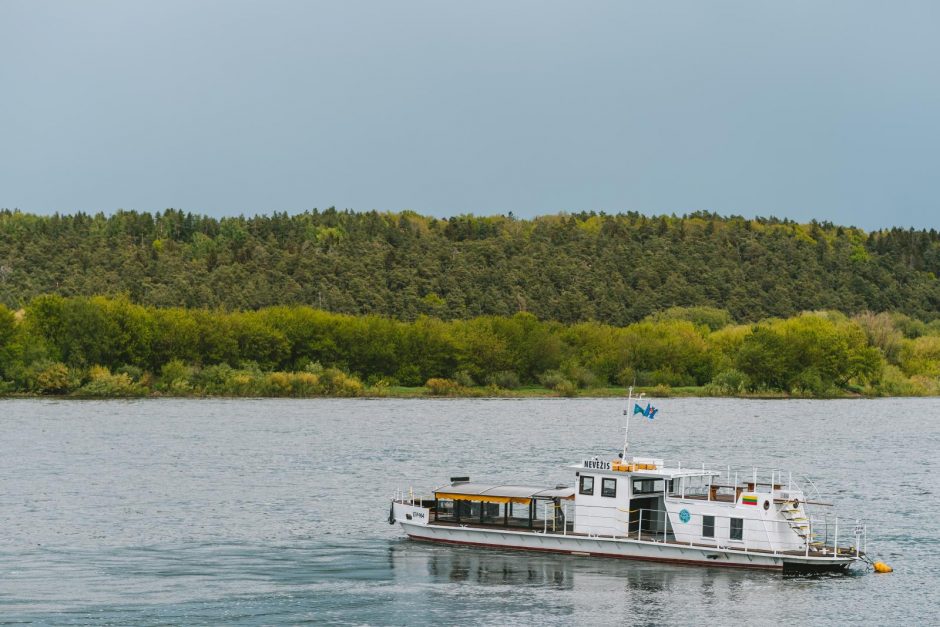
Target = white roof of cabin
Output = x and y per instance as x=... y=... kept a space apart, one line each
x=506 y=491
x=660 y=472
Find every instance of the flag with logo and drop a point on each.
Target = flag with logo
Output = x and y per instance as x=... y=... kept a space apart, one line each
x=649 y=411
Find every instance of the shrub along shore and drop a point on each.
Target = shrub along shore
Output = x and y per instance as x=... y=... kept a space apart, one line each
x=109 y=347
x=106 y=347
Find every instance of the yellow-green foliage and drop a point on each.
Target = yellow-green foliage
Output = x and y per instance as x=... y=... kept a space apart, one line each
x=674 y=351
x=442 y=387
x=815 y=353
x=709 y=317
x=10 y=359
x=112 y=347
x=51 y=378
x=921 y=356
x=175 y=376
x=298 y=384
x=338 y=383
x=566 y=388
x=103 y=384
x=894 y=382
x=726 y=343
x=227 y=381
x=882 y=333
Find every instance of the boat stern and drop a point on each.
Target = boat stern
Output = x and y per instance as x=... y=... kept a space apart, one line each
x=817 y=565
x=403 y=511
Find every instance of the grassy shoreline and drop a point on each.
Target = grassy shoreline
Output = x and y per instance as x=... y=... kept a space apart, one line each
x=481 y=392
x=598 y=392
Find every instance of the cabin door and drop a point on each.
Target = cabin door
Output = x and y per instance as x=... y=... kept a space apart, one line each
x=651 y=517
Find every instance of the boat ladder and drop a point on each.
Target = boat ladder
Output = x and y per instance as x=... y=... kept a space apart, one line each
x=800 y=524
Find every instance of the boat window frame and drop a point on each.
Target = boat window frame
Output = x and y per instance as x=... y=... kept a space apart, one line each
x=582 y=489
x=648 y=486
x=736 y=526
x=708 y=526
x=674 y=488
x=604 y=488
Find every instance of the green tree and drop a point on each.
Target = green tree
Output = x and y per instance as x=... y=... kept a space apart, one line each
x=9 y=362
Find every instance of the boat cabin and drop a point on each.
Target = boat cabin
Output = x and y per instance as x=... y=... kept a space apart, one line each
x=524 y=507
x=646 y=499
x=622 y=497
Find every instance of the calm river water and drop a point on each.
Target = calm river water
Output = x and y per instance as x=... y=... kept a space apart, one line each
x=274 y=511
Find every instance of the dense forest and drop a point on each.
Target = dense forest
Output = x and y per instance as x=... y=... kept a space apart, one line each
x=344 y=303
x=99 y=346
x=613 y=269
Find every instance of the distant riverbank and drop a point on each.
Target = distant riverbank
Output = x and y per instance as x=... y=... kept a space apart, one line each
x=543 y=392
x=482 y=392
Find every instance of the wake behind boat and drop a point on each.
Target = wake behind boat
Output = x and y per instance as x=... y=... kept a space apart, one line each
x=648 y=509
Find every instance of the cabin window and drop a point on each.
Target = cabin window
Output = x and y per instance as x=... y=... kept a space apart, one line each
x=517 y=514
x=708 y=526
x=445 y=510
x=468 y=511
x=647 y=486
x=609 y=488
x=737 y=528
x=587 y=485
x=491 y=513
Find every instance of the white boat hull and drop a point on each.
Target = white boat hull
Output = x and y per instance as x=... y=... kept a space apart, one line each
x=622 y=548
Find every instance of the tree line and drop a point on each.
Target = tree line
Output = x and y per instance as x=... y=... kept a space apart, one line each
x=102 y=346
x=614 y=269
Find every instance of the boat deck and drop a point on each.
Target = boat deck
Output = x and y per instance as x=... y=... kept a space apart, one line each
x=645 y=536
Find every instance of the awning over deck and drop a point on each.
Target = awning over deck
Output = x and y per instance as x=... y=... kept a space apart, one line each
x=488 y=493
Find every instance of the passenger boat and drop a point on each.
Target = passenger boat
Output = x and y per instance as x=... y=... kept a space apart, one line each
x=644 y=508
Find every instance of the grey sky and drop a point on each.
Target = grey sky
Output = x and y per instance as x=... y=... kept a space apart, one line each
x=799 y=109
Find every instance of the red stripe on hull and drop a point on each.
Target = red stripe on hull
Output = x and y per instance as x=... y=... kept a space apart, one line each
x=667 y=560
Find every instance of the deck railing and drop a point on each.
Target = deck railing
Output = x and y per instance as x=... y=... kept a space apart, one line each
x=823 y=536
x=763 y=478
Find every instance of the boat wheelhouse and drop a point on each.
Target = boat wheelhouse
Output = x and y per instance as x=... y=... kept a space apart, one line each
x=644 y=508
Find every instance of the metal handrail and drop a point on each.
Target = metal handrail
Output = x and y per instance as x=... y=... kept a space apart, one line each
x=619 y=526
x=825 y=528
x=793 y=481
x=816 y=526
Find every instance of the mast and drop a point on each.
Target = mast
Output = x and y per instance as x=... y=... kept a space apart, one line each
x=626 y=428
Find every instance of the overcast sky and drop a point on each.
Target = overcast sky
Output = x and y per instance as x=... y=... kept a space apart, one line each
x=827 y=110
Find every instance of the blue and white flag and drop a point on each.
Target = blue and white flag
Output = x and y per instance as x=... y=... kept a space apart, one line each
x=649 y=412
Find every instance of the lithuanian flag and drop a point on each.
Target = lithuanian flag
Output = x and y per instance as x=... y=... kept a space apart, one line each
x=749 y=499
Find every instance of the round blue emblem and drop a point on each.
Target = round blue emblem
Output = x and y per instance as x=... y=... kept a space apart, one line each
x=685 y=516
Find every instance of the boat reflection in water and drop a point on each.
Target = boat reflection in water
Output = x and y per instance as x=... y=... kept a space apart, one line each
x=527 y=585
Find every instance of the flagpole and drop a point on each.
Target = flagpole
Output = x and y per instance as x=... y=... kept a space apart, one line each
x=626 y=429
